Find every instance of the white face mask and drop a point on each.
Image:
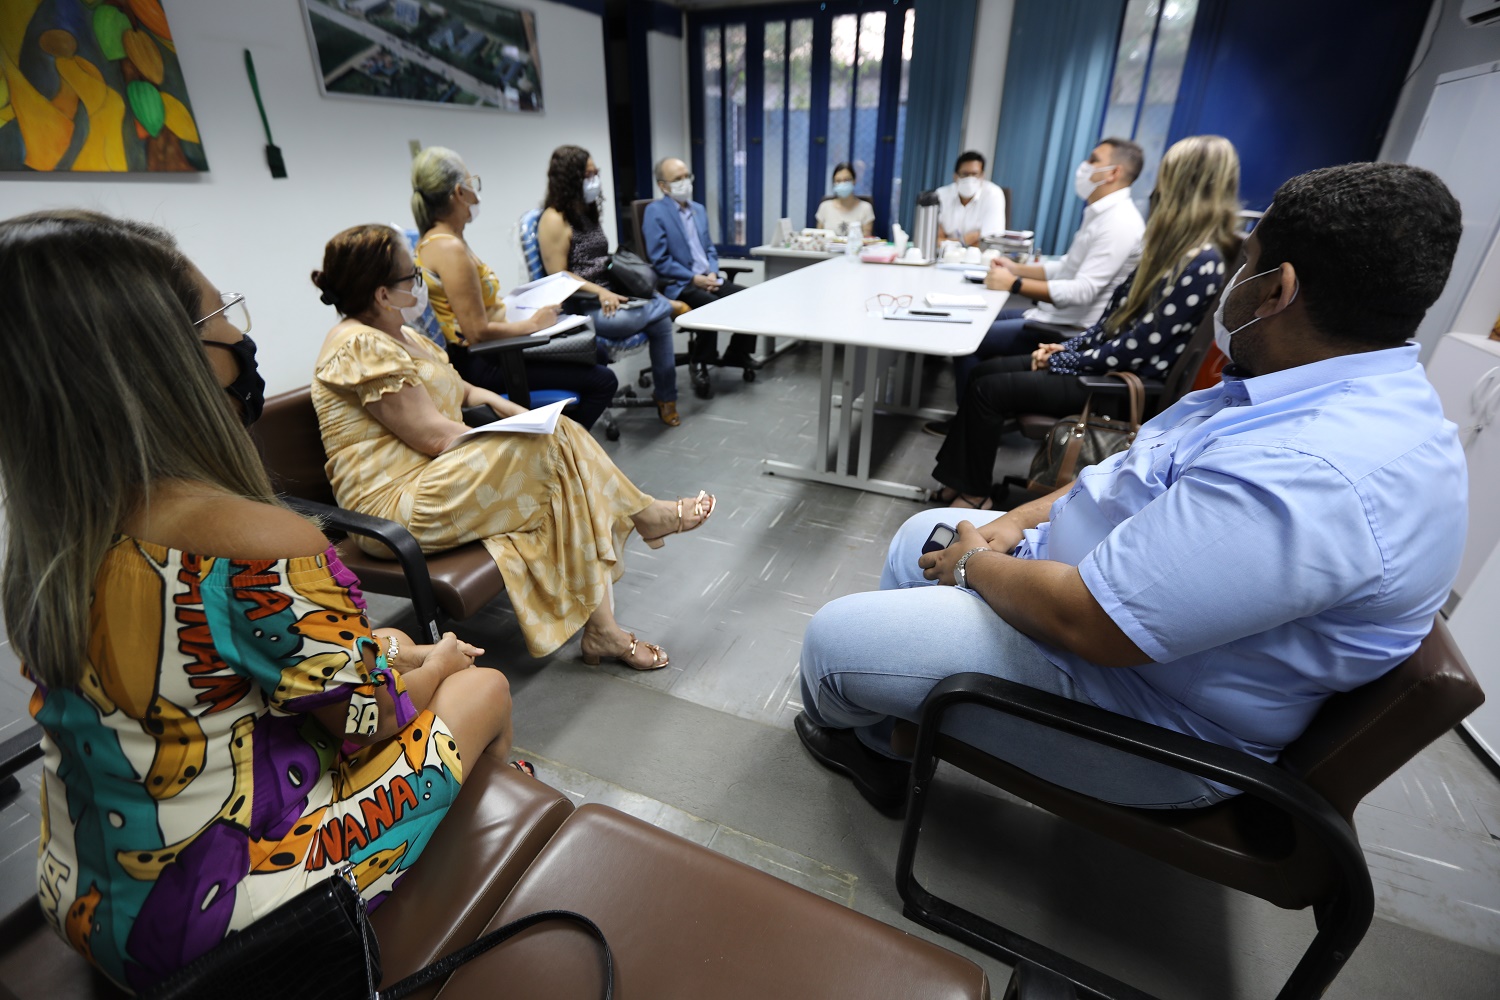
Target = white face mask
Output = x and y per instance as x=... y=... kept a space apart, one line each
x=681 y=190
x=1084 y=184
x=1221 y=334
x=412 y=315
x=474 y=208
x=968 y=187
x=593 y=188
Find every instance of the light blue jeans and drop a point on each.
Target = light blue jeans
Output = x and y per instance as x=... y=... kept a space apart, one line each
x=870 y=659
x=655 y=318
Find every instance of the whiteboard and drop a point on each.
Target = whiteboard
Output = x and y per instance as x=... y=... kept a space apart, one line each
x=1459 y=141
x=1476 y=630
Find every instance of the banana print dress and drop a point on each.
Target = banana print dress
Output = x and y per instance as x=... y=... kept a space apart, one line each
x=186 y=792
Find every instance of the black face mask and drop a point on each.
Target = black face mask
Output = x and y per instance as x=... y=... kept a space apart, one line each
x=248 y=387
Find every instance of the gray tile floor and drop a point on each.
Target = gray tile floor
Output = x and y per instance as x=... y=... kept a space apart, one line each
x=704 y=748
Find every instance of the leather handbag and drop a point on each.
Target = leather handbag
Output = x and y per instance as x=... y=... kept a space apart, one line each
x=319 y=946
x=577 y=348
x=1085 y=439
x=629 y=275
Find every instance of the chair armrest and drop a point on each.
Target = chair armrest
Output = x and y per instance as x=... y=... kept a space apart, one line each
x=506 y=353
x=396 y=538
x=1106 y=386
x=1056 y=331
x=478 y=416
x=1251 y=775
x=19 y=750
x=731 y=271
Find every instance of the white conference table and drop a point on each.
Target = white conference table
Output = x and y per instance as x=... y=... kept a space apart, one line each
x=827 y=303
x=781 y=261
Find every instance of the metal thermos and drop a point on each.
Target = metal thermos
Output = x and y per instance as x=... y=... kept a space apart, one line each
x=925 y=225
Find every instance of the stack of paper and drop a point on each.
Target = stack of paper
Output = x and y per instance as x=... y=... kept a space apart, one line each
x=542 y=420
x=944 y=300
x=526 y=299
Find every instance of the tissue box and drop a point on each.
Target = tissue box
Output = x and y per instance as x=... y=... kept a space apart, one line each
x=878 y=255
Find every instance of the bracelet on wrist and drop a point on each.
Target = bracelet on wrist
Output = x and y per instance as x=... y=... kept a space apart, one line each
x=392 y=649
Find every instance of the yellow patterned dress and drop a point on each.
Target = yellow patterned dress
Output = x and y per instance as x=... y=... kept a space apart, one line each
x=552 y=509
x=187 y=792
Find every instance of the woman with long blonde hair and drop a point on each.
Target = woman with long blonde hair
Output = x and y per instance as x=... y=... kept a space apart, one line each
x=1190 y=235
x=221 y=722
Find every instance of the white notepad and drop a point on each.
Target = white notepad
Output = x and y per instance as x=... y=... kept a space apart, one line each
x=542 y=420
x=947 y=300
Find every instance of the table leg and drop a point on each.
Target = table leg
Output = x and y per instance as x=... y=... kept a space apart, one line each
x=867 y=423
x=847 y=408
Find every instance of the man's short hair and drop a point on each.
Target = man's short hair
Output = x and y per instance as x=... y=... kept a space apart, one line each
x=1127 y=155
x=1372 y=244
x=965 y=157
x=661 y=167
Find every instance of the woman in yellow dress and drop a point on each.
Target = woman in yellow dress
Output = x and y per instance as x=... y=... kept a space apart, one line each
x=552 y=509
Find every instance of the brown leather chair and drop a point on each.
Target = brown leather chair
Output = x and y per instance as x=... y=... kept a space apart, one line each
x=1288 y=839
x=684 y=922
x=498 y=825
x=459 y=581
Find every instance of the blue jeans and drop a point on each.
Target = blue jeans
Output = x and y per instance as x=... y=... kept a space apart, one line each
x=655 y=317
x=1006 y=336
x=870 y=659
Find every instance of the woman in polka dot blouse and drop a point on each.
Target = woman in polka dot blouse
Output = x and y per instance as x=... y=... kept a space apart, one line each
x=1151 y=316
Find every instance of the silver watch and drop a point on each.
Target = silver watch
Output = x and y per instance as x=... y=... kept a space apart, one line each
x=960 y=575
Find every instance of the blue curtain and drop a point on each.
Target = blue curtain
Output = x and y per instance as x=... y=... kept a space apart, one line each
x=1062 y=57
x=936 y=87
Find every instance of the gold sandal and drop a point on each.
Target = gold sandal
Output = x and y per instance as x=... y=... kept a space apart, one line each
x=698 y=512
x=658 y=655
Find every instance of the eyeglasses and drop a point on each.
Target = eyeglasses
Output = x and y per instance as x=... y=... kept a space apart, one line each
x=415 y=278
x=882 y=302
x=684 y=177
x=234 y=311
x=474 y=183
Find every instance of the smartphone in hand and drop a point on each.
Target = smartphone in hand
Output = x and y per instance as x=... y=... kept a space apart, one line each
x=942 y=536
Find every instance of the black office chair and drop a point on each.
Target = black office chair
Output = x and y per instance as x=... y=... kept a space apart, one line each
x=702 y=387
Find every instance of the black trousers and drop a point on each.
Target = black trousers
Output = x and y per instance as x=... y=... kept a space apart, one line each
x=594 y=385
x=999 y=389
x=706 y=345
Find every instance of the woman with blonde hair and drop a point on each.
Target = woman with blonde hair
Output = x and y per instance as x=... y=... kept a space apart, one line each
x=465 y=294
x=552 y=509
x=220 y=719
x=1190 y=234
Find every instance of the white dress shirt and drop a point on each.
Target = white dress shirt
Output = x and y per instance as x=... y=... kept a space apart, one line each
x=984 y=212
x=1106 y=248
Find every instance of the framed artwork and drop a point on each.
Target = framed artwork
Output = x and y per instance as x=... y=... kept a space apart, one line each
x=460 y=53
x=93 y=85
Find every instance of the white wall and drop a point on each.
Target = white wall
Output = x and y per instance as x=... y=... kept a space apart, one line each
x=986 y=75
x=1453 y=45
x=666 y=67
x=347 y=162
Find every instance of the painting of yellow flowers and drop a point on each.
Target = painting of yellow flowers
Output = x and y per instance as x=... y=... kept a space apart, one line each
x=93 y=85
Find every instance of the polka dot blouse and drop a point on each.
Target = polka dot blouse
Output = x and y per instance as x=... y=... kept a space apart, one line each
x=1152 y=343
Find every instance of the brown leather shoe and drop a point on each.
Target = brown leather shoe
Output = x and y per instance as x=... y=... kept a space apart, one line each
x=668 y=412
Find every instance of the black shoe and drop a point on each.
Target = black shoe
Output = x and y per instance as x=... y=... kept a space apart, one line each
x=880 y=779
x=938 y=428
x=741 y=359
x=703 y=387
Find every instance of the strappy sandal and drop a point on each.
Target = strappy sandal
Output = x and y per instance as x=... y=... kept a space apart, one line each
x=524 y=766
x=658 y=655
x=964 y=503
x=699 y=512
x=943 y=495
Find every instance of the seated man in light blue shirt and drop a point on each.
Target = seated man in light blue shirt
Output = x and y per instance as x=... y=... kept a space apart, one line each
x=1285 y=535
x=675 y=230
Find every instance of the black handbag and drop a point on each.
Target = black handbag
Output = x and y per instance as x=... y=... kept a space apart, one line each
x=1076 y=442
x=629 y=275
x=319 y=946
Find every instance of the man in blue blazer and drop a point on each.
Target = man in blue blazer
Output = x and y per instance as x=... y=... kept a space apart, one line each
x=675 y=230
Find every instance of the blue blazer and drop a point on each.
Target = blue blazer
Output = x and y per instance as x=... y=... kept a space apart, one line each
x=667 y=244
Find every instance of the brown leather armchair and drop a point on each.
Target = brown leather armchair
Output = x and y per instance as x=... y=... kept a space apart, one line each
x=1288 y=839
x=459 y=581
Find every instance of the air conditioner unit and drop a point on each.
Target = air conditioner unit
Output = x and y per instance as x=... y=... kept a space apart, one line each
x=1478 y=13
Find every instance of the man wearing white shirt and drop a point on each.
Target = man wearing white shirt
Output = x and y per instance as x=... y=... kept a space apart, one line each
x=1071 y=292
x=971 y=206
